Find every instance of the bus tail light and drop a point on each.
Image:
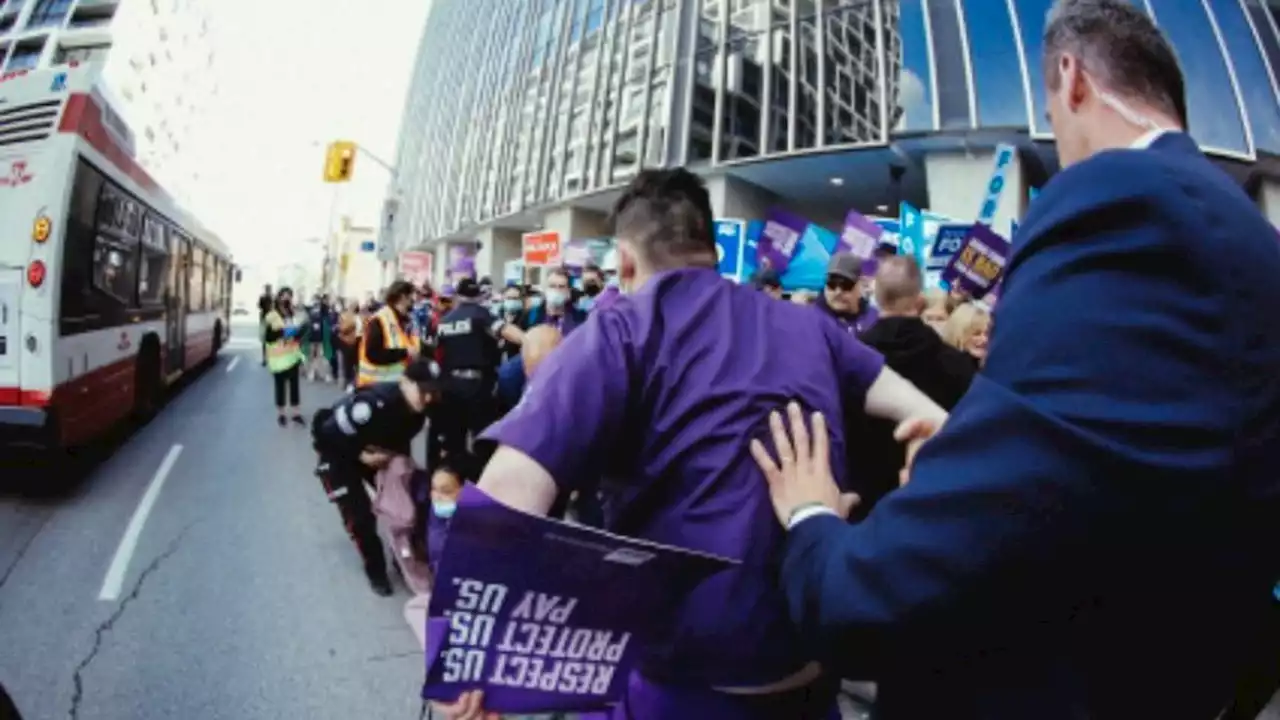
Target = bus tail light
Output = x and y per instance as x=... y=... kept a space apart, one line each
x=35 y=273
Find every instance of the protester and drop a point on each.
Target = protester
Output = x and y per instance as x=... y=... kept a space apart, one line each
x=592 y=286
x=842 y=298
x=1123 y=435
x=284 y=330
x=936 y=310
x=511 y=311
x=917 y=353
x=650 y=393
x=557 y=309
x=968 y=330
x=266 y=303
x=348 y=337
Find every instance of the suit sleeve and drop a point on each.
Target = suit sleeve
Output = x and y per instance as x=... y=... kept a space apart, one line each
x=1091 y=390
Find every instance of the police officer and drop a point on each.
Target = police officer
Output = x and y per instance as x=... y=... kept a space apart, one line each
x=467 y=338
x=359 y=435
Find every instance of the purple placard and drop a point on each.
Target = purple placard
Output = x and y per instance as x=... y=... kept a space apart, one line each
x=861 y=236
x=462 y=261
x=978 y=264
x=780 y=238
x=544 y=616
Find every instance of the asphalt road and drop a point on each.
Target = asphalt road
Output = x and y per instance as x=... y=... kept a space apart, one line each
x=242 y=598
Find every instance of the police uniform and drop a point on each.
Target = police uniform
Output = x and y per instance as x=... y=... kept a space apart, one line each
x=469 y=355
x=377 y=416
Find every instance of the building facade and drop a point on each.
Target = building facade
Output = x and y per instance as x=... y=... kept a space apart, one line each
x=532 y=113
x=157 y=57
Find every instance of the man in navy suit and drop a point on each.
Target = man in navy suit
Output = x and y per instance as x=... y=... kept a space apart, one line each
x=1093 y=533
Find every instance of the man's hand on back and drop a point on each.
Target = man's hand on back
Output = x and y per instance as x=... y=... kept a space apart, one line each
x=802 y=476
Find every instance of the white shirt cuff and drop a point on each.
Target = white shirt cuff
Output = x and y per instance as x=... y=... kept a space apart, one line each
x=811 y=511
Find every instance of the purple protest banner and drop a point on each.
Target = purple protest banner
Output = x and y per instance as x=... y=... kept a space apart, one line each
x=544 y=616
x=780 y=238
x=977 y=266
x=861 y=236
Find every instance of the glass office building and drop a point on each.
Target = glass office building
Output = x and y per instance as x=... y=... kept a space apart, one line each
x=518 y=105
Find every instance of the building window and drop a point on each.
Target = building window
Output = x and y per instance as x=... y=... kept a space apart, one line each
x=49 y=12
x=79 y=55
x=25 y=57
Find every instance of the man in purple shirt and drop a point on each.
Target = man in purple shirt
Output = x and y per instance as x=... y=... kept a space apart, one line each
x=842 y=298
x=660 y=396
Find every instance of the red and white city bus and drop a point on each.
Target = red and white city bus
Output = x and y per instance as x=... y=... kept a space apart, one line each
x=108 y=291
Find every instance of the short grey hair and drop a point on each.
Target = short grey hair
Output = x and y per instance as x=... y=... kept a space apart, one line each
x=1121 y=47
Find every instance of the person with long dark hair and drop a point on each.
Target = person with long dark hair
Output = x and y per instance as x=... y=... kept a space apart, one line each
x=284 y=330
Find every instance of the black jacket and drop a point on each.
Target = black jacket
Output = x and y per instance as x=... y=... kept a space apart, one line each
x=916 y=352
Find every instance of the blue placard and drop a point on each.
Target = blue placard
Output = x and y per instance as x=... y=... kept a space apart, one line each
x=368 y=246
x=946 y=242
x=730 y=245
x=911 y=240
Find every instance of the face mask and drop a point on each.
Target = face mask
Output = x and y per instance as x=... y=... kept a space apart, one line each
x=585 y=304
x=444 y=509
x=556 y=298
x=512 y=306
x=591 y=289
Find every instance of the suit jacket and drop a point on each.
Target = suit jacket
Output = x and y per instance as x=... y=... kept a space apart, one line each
x=1094 y=532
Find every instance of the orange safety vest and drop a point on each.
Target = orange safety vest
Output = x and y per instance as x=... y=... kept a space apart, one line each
x=396 y=339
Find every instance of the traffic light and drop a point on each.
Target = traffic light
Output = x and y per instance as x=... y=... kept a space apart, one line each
x=339 y=161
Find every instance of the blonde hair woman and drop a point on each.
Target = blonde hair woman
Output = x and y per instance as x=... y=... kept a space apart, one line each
x=967 y=329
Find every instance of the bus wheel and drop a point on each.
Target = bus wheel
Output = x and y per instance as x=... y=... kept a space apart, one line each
x=146 y=381
x=217 y=341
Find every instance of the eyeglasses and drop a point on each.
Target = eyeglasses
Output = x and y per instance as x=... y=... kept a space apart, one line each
x=843 y=284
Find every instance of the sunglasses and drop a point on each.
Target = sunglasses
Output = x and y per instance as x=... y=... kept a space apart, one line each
x=842 y=284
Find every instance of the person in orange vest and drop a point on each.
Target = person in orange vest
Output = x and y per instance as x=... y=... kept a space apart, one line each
x=389 y=343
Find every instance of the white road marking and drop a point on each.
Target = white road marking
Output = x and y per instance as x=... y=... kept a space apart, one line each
x=232 y=365
x=124 y=554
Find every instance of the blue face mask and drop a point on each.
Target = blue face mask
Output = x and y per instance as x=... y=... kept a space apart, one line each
x=535 y=302
x=512 y=306
x=495 y=310
x=585 y=304
x=444 y=509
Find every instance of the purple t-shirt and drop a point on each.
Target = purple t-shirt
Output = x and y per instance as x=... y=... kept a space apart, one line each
x=660 y=397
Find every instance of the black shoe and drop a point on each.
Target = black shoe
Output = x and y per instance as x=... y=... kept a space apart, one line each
x=297 y=419
x=281 y=421
x=380 y=583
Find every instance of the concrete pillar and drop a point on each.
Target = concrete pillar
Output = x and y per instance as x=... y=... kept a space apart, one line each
x=498 y=246
x=575 y=223
x=957 y=184
x=732 y=198
x=1269 y=200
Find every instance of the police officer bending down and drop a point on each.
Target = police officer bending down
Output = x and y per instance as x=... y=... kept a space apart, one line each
x=469 y=356
x=359 y=435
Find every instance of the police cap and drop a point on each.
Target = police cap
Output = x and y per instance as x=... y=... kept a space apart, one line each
x=423 y=371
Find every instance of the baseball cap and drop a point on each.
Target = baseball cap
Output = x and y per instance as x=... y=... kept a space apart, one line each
x=845 y=265
x=467 y=288
x=767 y=278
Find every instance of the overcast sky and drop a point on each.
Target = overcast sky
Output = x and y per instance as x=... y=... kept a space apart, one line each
x=293 y=75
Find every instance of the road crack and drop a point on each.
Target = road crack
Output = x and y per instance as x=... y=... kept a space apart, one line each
x=105 y=627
